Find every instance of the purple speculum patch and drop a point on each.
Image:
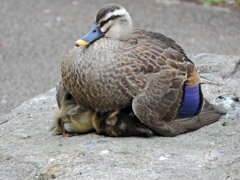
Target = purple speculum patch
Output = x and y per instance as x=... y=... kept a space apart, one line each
x=192 y=102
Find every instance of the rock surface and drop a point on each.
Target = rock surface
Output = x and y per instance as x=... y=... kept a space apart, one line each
x=29 y=150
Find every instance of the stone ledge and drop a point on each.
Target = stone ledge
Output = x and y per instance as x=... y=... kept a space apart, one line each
x=28 y=150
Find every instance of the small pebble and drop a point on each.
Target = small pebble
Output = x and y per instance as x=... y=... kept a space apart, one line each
x=235 y=98
x=24 y=136
x=51 y=160
x=81 y=154
x=53 y=176
x=163 y=158
x=104 y=152
x=224 y=123
x=221 y=97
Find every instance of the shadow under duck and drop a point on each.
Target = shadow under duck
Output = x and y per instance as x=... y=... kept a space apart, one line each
x=113 y=67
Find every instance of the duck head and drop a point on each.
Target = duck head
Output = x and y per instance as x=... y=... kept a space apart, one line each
x=112 y=21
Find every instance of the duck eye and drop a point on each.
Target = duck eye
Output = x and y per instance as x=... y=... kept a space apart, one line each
x=94 y=30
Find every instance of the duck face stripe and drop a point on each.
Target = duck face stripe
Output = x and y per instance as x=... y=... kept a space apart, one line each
x=102 y=23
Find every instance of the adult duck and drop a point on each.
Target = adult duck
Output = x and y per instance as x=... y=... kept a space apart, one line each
x=113 y=67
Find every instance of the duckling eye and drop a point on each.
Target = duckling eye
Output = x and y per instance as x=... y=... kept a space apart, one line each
x=94 y=30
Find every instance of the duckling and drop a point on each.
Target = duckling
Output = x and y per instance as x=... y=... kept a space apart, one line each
x=80 y=120
x=121 y=124
x=114 y=67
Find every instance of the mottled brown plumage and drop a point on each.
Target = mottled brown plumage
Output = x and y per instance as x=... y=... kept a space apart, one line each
x=148 y=71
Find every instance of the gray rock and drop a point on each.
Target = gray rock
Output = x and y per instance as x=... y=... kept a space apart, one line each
x=29 y=150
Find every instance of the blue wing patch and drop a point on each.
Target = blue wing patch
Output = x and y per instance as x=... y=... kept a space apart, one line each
x=192 y=102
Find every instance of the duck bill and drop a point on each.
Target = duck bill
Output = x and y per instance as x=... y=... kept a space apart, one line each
x=81 y=42
x=94 y=34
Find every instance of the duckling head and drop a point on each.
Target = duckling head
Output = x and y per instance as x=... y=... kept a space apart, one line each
x=112 y=21
x=73 y=119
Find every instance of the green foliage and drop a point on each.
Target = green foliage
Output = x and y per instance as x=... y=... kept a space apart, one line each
x=221 y=1
x=214 y=1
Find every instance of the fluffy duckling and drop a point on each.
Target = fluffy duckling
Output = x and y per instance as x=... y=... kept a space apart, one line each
x=121 y=124
x=80 y=120
x=77 y=119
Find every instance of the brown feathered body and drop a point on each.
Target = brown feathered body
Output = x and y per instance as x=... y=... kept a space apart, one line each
x=109 y=73
x=147 y=72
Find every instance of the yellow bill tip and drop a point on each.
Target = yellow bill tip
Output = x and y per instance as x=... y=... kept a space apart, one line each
x=81 y=42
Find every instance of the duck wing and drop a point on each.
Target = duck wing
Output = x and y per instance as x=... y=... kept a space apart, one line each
x=167 y=71
x=209 y=114
x=158 y=105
